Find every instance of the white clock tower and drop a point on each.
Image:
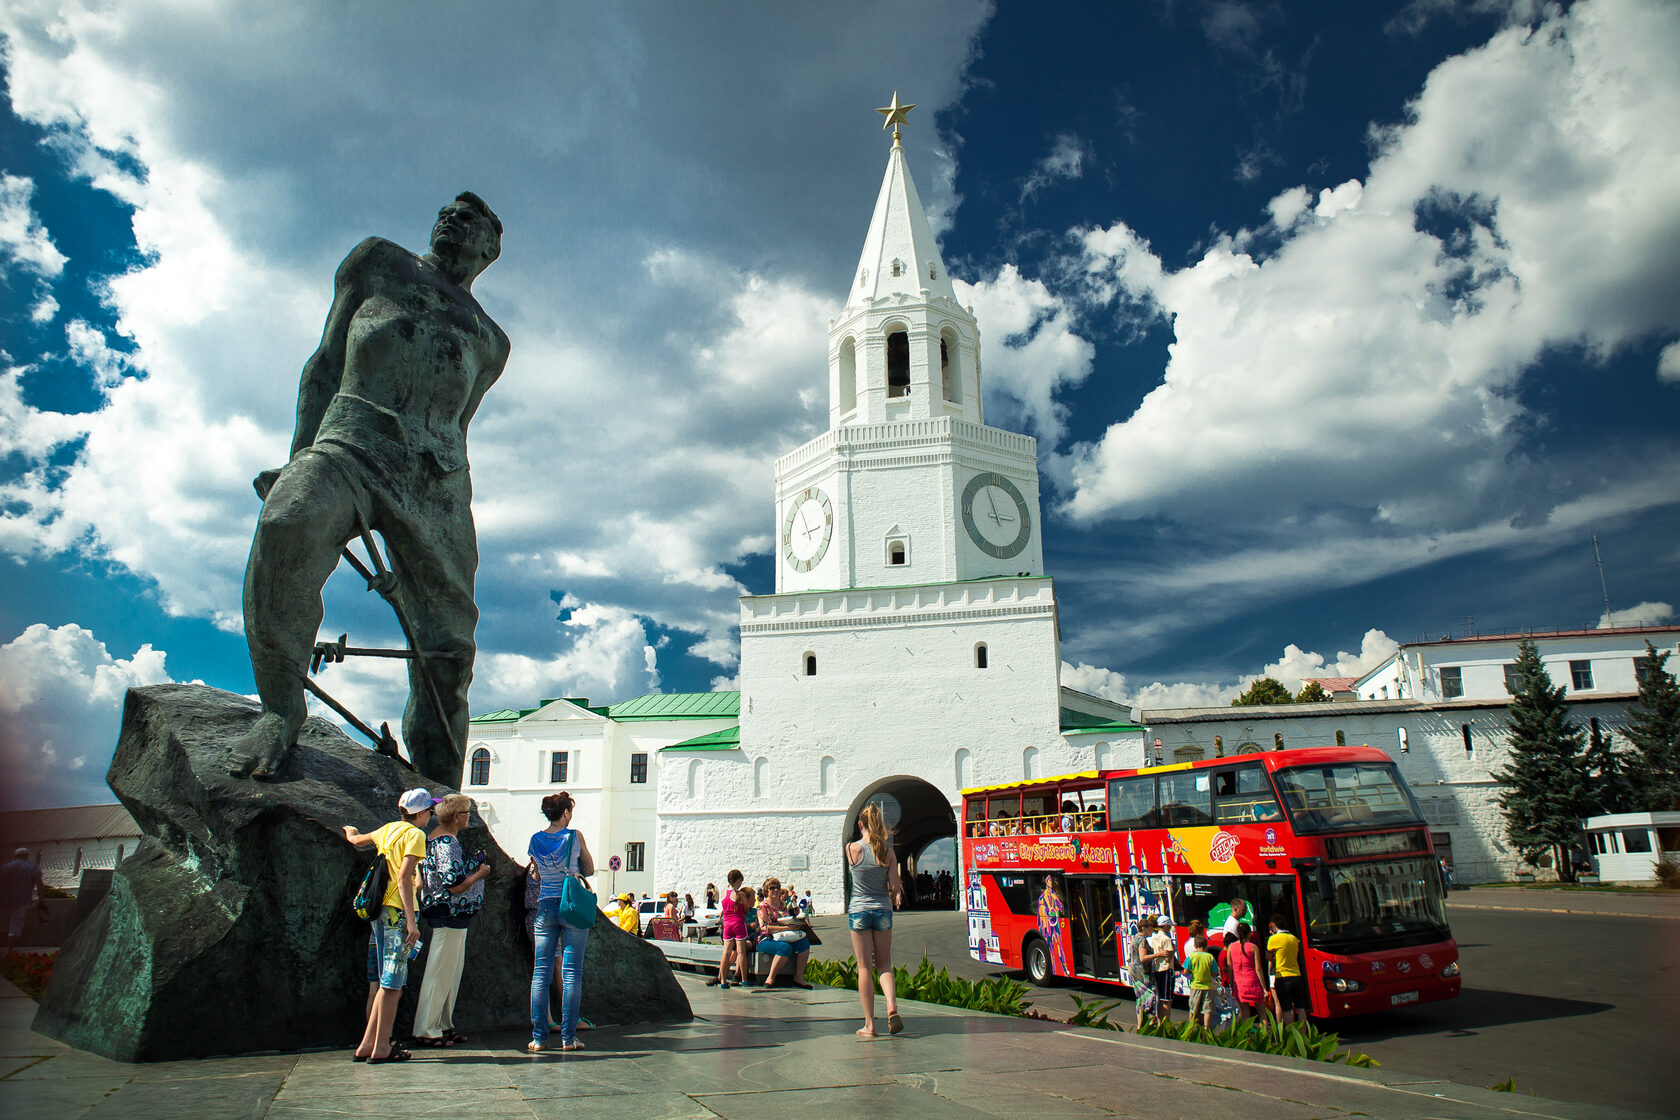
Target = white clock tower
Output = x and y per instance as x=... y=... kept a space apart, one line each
x=911 y=646
x=908 y=485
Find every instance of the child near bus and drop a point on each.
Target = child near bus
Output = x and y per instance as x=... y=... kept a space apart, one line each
x=1199 y=964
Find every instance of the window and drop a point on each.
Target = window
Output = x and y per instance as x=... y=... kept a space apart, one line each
x=810 y=664
x=848 y=375
x=980 y=661
x=1346 y=795
x=1277 y=742
x=897 y=267
x=1013 y=890
x=945 y=368
x=1186 y=799
x=1636 y=840
x=1341 y=740
x=1131 y=803
x=1452 y=682
x=1644 y=668
x=1580 y=676
x=898 y=364
x=896 y=554
x=635 y=857
x=1243 y=793
x=1464 y=732
x=1513 y=679
x=638 y=769
x=480 y=767
x=557 y=766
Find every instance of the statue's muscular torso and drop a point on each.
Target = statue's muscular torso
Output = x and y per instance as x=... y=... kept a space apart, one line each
x=416 y=347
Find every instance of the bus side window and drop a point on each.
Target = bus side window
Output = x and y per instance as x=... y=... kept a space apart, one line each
x=1013 y=890
x=1186 y=799
x=1131 y=803
x=1242 y=793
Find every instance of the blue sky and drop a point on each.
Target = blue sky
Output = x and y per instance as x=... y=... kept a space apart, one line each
x=1337 y=324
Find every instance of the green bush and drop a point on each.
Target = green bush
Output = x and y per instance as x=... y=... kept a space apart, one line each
x=1002 y=996
x=1290 y=1040
x=999 y=996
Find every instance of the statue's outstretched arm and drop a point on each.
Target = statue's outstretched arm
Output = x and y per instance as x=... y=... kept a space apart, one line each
x=324 y=370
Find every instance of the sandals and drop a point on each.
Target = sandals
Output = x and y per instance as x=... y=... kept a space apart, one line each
x=397 y=1054
x=423 y=1043
x=894 y=1023
x=803 y=984
x=452 y=1038
x=861 y=1033
x=536 y=1047
x=574 y=1044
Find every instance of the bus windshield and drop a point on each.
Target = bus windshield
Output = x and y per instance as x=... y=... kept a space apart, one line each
x=1381 y=904
x=1346 y=796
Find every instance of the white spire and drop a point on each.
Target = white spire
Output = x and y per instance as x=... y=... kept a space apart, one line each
x=899 y=236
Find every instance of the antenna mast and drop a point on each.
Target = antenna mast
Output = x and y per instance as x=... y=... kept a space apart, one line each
x=1599 y=561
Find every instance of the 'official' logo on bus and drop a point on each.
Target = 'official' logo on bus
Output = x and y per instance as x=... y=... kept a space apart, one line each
x=1223 y=847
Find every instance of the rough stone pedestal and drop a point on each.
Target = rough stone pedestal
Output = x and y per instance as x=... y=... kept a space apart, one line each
x=230 y=927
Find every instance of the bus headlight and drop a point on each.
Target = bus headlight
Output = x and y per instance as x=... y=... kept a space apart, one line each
x=1450 y=971
x=1337 y=984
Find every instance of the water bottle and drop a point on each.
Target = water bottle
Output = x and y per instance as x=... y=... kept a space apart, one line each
x=414 y=953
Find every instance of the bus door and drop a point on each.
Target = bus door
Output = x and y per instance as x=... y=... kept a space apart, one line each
x=1093 y=911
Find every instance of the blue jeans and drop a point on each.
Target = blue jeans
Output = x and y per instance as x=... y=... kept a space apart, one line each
x=552 y=935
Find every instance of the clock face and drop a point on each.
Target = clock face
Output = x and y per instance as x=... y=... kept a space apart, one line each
x=807 y=528
x=995 y=515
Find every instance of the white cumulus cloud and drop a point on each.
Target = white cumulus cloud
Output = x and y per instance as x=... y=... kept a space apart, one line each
x=61 y=694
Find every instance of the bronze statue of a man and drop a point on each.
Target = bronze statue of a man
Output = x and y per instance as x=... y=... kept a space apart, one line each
x=381 y=444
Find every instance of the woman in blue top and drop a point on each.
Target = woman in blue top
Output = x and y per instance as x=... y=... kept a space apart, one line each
x=557 y=852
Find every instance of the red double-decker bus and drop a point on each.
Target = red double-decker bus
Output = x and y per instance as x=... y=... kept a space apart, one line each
x=1059 y=870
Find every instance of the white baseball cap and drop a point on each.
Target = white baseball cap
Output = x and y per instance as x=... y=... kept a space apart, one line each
x=414 y=800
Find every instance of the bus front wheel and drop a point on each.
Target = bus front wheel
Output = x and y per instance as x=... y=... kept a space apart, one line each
x=1035 y=961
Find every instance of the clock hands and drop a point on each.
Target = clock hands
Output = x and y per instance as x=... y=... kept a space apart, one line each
x=997 y=518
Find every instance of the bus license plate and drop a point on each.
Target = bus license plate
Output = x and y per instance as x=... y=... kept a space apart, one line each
x=1403 y=997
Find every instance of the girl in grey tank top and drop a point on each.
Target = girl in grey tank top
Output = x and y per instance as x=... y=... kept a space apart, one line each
x=869 y=882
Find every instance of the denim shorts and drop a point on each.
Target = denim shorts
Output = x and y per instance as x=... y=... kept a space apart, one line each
x=387 y=956
x=865 y=920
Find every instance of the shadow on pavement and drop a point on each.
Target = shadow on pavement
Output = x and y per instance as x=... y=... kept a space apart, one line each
x=1473 y=1010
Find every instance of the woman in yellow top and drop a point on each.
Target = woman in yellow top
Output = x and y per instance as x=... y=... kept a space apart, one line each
x=1289 y=987
x=395 y=930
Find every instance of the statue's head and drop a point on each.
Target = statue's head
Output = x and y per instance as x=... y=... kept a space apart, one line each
x=468 y=228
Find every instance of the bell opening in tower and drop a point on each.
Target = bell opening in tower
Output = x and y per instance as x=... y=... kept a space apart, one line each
x=898 y=364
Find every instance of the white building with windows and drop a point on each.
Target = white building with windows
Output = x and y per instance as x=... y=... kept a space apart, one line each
x=1443 y=719
x=911 y=646
x=603 y=756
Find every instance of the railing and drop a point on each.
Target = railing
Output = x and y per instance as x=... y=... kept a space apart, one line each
x=1088 y=821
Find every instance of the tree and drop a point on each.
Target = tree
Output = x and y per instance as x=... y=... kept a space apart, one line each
x=1545 y=792
x=1266 y=690
x=1311 y=693
x=1653 y=727
x=1610 y=786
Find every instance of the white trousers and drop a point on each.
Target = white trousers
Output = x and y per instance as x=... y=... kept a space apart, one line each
x=435 y=1013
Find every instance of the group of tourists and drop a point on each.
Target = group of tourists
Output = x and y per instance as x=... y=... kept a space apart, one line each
x=764 y=921
x=427 y=873
x=429 y=876
x=1256 y=978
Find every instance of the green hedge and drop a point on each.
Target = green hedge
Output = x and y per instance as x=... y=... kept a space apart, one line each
x=1002 y=996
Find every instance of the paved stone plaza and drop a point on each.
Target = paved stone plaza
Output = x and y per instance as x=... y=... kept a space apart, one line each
x=745 y=1056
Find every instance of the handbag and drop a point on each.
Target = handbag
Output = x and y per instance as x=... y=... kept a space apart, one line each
x=577 y=901
x=788 y=935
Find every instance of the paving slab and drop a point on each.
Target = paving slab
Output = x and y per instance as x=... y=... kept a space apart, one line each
x=752 y=1056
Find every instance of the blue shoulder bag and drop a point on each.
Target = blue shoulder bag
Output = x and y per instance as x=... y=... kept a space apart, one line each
x=577 y=901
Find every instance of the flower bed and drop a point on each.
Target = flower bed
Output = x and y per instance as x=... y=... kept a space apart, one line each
x=29 y=971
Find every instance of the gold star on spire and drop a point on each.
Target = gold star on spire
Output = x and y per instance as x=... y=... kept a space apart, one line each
x=895 y=114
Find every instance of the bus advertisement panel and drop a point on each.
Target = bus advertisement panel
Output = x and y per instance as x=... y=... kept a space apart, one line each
x=1328 y=840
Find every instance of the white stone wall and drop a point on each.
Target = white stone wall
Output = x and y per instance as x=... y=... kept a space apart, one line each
x=611 y=810
x=1415 y=671
x=896 y=693
x=63 y=861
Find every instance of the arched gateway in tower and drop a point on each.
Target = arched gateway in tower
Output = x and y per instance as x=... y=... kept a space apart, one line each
x=911 y=645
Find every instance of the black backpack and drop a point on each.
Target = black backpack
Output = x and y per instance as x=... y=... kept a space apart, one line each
x=370 y=897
